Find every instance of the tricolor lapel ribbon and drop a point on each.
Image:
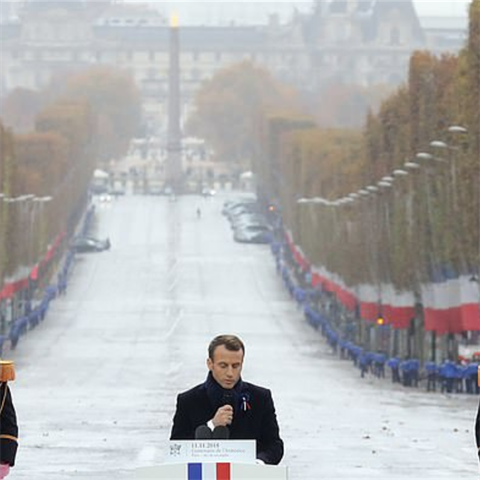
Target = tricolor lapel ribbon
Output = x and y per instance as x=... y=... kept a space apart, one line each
x=245 y=402
x=209 y=471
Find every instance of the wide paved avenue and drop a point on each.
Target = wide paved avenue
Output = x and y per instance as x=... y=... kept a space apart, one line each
x=97 y=381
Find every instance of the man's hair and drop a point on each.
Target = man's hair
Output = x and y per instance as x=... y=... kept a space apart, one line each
x=230 y=342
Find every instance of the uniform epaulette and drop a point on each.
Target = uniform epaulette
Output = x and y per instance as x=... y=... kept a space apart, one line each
x=7 y=371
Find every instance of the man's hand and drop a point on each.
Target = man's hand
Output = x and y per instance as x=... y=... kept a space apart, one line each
x=223 y=417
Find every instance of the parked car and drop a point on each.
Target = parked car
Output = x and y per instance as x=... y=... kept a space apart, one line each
x=240 y=208
x=249 y=219
x=230 y=205
x=89 y=244
x=256 y=235
x=252 y=227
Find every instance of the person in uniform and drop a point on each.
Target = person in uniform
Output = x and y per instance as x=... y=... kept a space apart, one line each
x=8 y=420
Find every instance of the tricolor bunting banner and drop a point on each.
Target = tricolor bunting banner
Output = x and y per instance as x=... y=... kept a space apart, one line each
x=209 y=471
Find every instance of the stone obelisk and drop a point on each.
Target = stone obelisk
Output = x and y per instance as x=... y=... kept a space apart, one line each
x=174 y=174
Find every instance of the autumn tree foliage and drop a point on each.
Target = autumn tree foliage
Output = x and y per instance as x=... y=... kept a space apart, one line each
x=422 y=223
x=7 y=164
x=41 y=162
x=468 y=94
x=7 y=172
x=468 y=114
x=45 y=175
x=73 y=120
x=228 y=109
x=115 y=102
x=110 y=93
x=268 y=163
x=19 y=108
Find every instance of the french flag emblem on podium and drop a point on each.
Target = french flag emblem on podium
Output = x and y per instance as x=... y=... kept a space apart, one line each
x=209 y=471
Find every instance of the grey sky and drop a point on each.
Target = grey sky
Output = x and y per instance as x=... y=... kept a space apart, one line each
x=227 y=11
x=442 y=7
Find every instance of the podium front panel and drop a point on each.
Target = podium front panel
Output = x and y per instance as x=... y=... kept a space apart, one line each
x=258 y=472
x=212 y=471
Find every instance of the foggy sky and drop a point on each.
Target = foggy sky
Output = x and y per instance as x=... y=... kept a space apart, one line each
x=240 y=12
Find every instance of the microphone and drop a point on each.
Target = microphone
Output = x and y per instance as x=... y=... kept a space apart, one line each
x=221 y=433
x=228 y=399
x=202 y=432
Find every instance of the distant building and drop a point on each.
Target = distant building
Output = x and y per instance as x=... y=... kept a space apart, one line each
x=349 y=41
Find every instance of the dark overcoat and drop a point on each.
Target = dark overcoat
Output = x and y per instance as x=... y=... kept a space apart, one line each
x=8 y=427
x=254 y=419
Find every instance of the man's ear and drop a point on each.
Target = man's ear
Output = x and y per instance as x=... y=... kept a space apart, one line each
x=209 y=363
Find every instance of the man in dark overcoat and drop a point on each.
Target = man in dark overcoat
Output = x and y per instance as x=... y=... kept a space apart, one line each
x=225 y=400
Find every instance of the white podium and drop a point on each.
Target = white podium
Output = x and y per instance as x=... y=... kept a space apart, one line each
x=212 y=460
x=212 y=471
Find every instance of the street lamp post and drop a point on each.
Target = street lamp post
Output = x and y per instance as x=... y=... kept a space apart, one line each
x=455 y=217
x=455 y=150
x=404 y=208
x=43 y=237
x=431 y=249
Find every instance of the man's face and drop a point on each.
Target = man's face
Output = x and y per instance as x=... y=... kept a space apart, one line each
x=226 y=366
